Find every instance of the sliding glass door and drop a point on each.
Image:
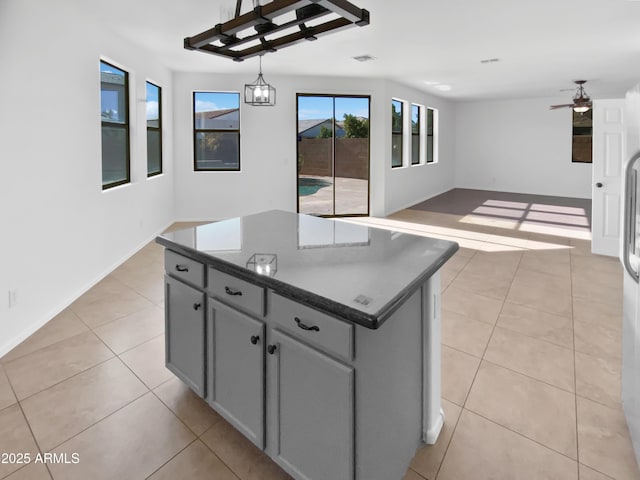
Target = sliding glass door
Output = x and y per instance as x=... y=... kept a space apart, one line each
x=333 y=154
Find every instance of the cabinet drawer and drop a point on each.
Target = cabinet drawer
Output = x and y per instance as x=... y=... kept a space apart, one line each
x=326 y=332
x=186 y=269
x=236 y=292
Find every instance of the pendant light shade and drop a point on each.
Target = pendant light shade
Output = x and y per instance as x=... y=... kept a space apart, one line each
x=259 y=93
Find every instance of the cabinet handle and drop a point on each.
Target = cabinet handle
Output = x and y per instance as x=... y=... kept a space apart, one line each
x=232 y=291
x=196 y=306
x=271 y=349
x=254 y=339
x=182 y=268
x=313 y=328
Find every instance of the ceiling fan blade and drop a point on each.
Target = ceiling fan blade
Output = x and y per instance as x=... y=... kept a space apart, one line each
x=553 y=107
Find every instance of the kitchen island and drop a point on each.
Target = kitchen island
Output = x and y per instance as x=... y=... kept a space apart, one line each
x=318 y=339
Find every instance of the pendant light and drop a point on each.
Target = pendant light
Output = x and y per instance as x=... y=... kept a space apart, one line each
x=259 y=93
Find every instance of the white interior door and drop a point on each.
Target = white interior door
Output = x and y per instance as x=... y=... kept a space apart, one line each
x=609 y=152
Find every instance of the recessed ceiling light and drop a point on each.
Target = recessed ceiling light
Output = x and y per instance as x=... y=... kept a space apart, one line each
x=364 y=58
x=443 y=87
x=490 y=60
x=430 y=83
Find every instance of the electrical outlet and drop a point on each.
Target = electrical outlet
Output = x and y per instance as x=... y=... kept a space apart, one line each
x=13 y=298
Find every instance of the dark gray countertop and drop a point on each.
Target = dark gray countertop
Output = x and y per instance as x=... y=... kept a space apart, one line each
x=357 y=273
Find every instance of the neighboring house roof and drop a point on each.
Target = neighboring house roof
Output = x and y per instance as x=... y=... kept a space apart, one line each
x=306 y=125
x=216 y=113
x=224 y=119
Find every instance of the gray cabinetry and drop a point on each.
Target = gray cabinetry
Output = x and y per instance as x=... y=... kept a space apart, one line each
x=185 y=333
x=330 y=361
x=314 y=411
x=237 y=378
x=311 y=413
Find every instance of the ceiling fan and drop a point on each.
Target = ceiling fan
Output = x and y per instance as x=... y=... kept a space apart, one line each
x=581 y=101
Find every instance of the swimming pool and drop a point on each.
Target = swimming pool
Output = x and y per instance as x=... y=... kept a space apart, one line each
x=309 y=186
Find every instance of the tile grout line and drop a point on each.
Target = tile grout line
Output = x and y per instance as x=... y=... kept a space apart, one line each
x=136 y=346
x=93 y=328
x=420 y=477
x=116 y=355
x=547 y=447
x=174 y=413
x=63 y=380
x=526 y=334
x=529 y=376
x=472 y=382
x=152 y=391
x=495 y=325
x=216 y=455
x=116 y=410
x=19 y=401
x=444 y=455
x=149 y=390
x=575 y=373
x=7 y=362
x=456 y=275
x=172 y=457
x=26 y=420
x=106 y=416
x=98 y=421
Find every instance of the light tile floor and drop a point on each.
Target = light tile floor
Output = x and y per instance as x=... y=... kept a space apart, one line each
x=531 y=372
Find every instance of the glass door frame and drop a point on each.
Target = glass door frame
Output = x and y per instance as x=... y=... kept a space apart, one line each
x=333 y=151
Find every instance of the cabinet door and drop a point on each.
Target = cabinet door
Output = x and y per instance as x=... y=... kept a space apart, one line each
x=314 y=411
x=185 y=333
x=238 y=370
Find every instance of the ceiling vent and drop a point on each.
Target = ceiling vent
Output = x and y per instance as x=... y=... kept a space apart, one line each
x=364 y=58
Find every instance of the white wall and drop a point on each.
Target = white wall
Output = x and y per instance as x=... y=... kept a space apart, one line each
x=518 y=146
x=60 y=232
x=267 y=178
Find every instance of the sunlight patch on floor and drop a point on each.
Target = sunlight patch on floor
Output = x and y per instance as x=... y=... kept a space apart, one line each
x=487 y=242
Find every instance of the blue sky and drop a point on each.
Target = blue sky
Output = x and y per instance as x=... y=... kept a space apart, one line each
x=110 y=69
x=152 y=101
x=322 y=107
x=207 y=101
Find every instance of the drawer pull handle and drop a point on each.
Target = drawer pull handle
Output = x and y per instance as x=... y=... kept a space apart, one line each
x=271 y=349
x=254 y=339
x=196 y=306
x=231 y=291
x=314 y=328
x=182 y=268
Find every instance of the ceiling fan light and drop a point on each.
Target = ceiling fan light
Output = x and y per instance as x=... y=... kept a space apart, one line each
x=581 y=108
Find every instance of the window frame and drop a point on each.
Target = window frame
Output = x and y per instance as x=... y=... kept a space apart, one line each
x=212 y=130
x=124 y=126
x=400 y=134
x=431 y=139
x=158 y=129
x=420 y=157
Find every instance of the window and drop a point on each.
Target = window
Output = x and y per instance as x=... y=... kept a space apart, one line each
x=432 y=135
x=114 y=112
x=397 y=121
x=415 y=134
x=582 y=144
x=154 y=129
x=216 y=133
